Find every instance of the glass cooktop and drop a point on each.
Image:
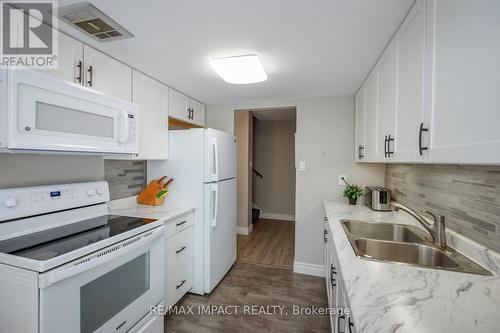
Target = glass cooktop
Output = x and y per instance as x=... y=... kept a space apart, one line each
x=48 y=244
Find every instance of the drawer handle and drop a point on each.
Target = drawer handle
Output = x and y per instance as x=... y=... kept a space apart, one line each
x=180 y=223
x=180 y=250
x=180 y=284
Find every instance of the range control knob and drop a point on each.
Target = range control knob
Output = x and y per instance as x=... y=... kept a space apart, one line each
x=100 y=191
x=10 y=202
x=91 y=192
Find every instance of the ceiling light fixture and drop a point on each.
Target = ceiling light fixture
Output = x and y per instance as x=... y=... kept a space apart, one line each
x=240 y=69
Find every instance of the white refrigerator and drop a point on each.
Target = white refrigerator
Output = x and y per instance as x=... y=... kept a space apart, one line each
x=203 y=165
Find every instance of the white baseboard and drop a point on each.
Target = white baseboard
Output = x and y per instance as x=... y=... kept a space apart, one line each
x=308 y=269
x=244 y=230
x=272 y=216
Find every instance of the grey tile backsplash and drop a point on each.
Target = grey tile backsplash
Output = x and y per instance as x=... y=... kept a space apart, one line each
x=125 y=178
x=469 y=196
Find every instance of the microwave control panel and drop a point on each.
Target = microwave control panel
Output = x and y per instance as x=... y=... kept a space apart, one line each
x=132 y=127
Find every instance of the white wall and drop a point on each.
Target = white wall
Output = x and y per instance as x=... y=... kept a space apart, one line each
x=325 y=141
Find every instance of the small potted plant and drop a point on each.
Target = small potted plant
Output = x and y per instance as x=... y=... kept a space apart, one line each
x=352 y=192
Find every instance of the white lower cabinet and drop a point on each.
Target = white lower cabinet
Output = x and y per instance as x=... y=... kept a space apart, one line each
x=178 y=283
x=178 y=258
x=340 y=316
x=178 y=249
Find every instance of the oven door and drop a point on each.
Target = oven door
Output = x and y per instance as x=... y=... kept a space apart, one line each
x=46 y=113
x=107 y=291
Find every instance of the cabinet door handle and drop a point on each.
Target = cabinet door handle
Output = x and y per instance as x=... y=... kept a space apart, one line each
x=80 y=71
x=333 y=282
x=389 y=140
x=361 y=149
x=91 y=74
x=180 y=223
x=420 y=147
x=180 y=284
x=180 y=250
x=338 y=324
x=385 y=146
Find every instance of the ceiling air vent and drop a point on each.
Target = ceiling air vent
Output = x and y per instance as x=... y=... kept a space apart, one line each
x=90 y=20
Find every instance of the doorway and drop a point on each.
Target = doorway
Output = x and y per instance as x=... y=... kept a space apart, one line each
x=266 y=185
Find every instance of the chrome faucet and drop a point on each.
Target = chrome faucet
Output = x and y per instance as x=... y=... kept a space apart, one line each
x=437 y=231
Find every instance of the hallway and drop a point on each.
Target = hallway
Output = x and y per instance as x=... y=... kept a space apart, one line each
x=270 y=243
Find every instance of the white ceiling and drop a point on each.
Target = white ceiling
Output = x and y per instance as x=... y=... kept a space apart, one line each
x=274 y=114
x=309 y=48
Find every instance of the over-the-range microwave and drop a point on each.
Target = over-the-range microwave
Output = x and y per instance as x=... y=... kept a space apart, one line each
x=41 y=113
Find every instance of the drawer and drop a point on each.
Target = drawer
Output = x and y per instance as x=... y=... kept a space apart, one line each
x=151 y=323
x=178 y=249
x=180 y=223
x=178 y=283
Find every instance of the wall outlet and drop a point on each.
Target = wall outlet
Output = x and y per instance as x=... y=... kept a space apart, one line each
x=340 y=181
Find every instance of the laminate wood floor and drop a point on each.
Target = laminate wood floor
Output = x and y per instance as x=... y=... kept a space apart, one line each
x=270 y=243
x=248 y=285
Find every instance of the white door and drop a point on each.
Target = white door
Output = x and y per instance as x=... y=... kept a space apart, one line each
x=152 y=97
x=70 y=60
x=106 y=74
x=360 y=124
x=371 y=92
x=411 y=48
x=220 y=156
x=220 y=231
x=386 y=104
x=465 y=116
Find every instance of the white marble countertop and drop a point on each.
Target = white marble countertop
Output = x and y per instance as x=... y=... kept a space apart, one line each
x=130 y=207
x=388 y=297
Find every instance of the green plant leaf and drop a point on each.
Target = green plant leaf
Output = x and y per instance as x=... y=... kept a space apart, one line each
x=353 y=191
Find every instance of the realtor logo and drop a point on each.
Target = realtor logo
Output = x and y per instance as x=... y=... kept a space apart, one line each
x=28 y=34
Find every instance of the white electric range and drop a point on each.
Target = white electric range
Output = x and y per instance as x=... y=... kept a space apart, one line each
x=68 y=266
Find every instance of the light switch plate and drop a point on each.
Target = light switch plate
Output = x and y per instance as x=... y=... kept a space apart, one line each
x=302 y=165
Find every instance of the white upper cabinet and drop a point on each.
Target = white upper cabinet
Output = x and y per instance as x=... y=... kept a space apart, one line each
x=183 y=108
x=360 y=124
x=152 y=97
x=371 y=95
x=106 y=74
x=435 y=87
x=411 y=50
x=465 y=115
x=197 y=112
x=386 y=104
x=70 y=60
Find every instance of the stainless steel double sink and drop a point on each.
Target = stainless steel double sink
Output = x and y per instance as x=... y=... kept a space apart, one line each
x=404 y=244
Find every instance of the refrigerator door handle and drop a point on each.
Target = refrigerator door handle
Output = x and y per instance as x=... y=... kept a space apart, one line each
x=215 y=203
x=216 y=159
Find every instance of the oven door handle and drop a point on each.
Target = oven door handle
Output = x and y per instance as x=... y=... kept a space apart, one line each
x=100 y=257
